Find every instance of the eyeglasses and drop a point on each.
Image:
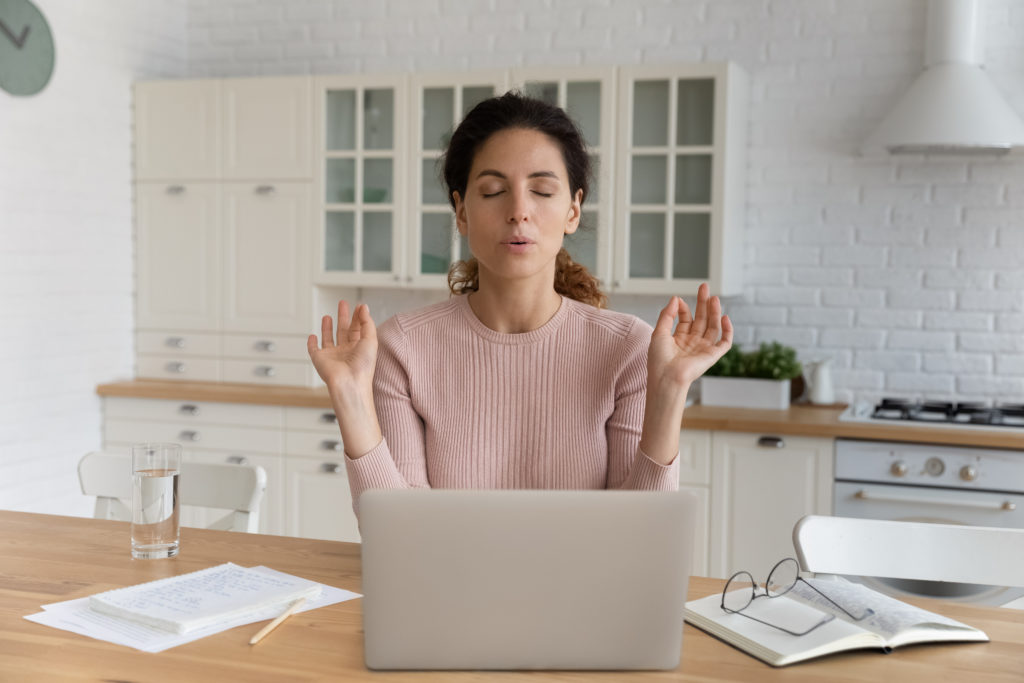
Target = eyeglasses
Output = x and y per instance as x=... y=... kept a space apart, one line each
x=741 y=590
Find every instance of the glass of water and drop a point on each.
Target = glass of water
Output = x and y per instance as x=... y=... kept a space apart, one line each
x=155 y=471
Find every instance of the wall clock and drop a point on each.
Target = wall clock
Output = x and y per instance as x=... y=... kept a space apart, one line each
x=26 y=48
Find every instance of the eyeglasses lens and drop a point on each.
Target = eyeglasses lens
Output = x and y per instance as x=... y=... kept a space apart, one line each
x=738 y=592
x=782 y=578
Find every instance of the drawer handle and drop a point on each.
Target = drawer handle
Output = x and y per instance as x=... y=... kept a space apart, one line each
x=175 y=342
x=265 y=189
x=175 y=189
x=189 y=435
x=331 y=445
x=771 y=442
x=329 y=418
x=176 y=367
x=265 y=345
x=237 y=460
x=189 y=409
x=331 y=468
x=265 y=370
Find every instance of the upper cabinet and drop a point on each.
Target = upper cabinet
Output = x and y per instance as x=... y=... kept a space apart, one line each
x=231 y=129
x=361 y=150
x=680 y=179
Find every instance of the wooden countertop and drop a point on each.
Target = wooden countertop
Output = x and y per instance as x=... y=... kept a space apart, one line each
x=798 y=420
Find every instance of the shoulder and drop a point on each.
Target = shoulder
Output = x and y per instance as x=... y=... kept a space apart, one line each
x=418 y=321
x=605 y=323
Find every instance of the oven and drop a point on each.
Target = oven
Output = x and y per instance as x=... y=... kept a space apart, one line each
x=931 y=483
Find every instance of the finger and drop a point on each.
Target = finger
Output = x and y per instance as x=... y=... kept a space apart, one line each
x=685 y=317
x=342 y=320
x=327 y=331
x=726 y=332
x=355 y=329
x=369 y=328
x=714 y=329
x=311 y=345
x=700 y=316
x=667 y=317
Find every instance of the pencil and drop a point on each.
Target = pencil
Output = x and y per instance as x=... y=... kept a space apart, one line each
x=292 y=609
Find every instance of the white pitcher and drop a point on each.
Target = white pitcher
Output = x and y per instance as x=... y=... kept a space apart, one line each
x=822 y=391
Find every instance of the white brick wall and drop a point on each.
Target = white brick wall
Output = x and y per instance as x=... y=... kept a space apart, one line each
x=66 y=240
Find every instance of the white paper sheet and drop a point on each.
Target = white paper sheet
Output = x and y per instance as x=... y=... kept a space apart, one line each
x=76 y=616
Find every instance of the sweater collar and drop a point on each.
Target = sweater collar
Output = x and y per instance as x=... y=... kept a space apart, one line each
x=533 y=336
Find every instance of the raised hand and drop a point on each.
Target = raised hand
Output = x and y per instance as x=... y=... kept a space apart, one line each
x=674 y=360
x=346 y=362
x=679 y=357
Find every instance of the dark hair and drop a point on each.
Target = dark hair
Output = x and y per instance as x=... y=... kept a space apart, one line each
x=515 y=110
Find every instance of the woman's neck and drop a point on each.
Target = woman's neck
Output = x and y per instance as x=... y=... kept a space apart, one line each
x=514 y=310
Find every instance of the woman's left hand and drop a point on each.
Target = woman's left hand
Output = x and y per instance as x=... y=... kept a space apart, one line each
x=676 y=359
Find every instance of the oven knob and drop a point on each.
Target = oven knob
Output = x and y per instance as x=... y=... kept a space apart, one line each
x=968 y=473
x=935 y=467
x=898 y=468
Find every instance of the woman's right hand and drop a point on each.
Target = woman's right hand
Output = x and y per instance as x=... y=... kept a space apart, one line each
x=346 y=362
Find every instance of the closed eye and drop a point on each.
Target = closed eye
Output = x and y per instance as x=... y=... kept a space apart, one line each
x=487 y=195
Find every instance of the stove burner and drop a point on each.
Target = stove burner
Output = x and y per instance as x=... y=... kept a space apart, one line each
x=967 y=412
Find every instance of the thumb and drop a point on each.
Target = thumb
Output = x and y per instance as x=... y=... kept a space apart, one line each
x=666 y=318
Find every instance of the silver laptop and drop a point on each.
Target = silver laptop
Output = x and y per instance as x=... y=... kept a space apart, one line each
x=525 y=579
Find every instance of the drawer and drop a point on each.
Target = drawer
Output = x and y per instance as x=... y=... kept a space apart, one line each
x=193 y=412
x=316 y=419
x=315 y=444
x=178 y=367
x=238 y=440
x=265 y=347
x=177 y=344
x=271 y=372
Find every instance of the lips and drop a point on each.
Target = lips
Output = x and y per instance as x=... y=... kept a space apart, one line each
x=517 y=240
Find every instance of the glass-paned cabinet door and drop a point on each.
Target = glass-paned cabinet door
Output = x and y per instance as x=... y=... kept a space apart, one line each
x=361 y=143
x=588 y=95
x=680 y=171
x=439 y=102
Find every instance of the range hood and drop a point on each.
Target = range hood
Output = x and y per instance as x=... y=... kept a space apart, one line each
x=952 y=107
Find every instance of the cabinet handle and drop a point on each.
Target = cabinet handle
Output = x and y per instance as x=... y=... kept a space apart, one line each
x=329 y=418
x=175 y=342
x=265 y=189
x=397 y=278
x=188 y=409
x=331 y=445
x=237 y=460
x=176 y=367
x=265 y=370
x=189 y=435
x=265 y=345
x=331 y=468
x=771 y=442
x=175 y=189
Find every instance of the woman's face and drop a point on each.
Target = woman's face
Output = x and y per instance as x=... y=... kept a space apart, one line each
x=517 y=207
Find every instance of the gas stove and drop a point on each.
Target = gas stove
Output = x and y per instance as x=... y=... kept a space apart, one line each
x=938 y=413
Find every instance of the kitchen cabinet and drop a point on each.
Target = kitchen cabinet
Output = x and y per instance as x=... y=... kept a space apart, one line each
x=760 y=486
x=223 y=253
x=695 y=478
x=300 y=448
x=680 y=179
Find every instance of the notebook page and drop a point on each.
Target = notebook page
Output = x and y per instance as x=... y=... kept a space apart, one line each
x=181 y=603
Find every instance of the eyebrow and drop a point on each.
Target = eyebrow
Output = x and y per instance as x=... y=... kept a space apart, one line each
x=499 y=174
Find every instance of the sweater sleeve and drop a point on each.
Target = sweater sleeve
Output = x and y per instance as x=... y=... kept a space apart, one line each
x=399 y=460
x=628 y=466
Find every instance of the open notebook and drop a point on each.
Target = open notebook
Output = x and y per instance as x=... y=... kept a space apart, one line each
x=894 y=623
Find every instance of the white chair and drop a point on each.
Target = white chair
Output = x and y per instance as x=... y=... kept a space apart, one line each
x=235 y=488
x=910 y=550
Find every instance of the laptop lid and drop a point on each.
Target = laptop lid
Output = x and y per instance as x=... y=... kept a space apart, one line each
x=458 y=579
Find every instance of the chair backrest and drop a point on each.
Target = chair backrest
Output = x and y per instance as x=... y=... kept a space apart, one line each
x=235 y=488
x=910 y=550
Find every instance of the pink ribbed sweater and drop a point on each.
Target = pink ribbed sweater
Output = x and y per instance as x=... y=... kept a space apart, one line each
x=463 y=406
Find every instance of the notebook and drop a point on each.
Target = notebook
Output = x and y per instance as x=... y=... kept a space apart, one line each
x=525 y=579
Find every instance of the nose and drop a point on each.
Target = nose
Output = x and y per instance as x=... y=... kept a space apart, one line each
x=518 y=207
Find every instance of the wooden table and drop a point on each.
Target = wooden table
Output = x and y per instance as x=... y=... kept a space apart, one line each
x=45 y=558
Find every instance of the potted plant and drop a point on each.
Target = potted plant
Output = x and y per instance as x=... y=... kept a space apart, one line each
x=753 y=379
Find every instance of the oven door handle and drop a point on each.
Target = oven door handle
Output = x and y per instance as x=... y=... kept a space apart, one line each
x=1006 y=505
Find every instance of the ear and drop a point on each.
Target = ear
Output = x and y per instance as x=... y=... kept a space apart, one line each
x=575 y=213
x=460 y=214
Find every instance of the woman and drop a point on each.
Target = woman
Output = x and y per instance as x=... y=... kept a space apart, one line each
x=520 y=380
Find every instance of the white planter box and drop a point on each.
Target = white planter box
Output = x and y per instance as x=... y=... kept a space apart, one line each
x=741 y=392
